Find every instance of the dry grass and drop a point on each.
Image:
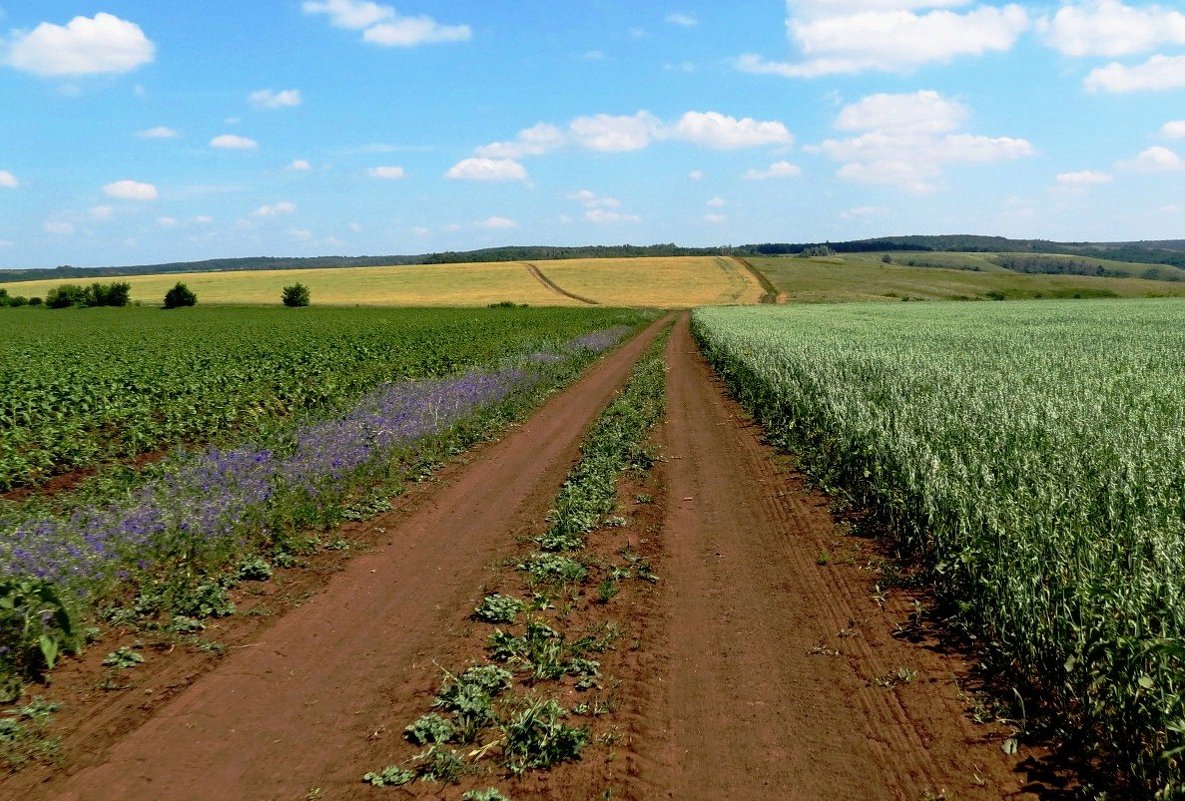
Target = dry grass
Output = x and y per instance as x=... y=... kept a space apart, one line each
x=659 y=282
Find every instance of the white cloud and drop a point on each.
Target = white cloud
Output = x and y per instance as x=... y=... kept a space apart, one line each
x=1110 y=28
x=303 y=234
x=203 y=219
x=850 y=37
x=861 y=212
x=717 y=203
x=605 y=132
x=533 y=141
x=1155 y=159
x=269 y=99
x=591 y=200
x=383 y=25
x=352 y=14
x=696 y=175
x=159 y=132
x=275 y=210
x=412 y=31
x=59 y=227
x=485 y=169
x=1173 y=130
x=905 y=140
x=715 y=219
x=779 y=169
x=386 y=173
x=233 y=142
x=1083 y=178
x=299 y=165
x=714 y=130
x=6 y=243
x=924 y=112
x=683 y=20
x=83 y=46
x=594 y=55
x=130 y=190
x=606 y=217
x=8 y=180
x=167 y=222
x=495 y=223
x=102 y=212
x=1156 y=74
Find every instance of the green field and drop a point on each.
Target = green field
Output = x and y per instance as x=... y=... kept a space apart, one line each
x=81 y=386
x=1032 y=453
x=942 y=276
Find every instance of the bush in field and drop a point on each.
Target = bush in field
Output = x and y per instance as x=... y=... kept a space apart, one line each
x=113 y=294
x=295 y=296
x=67 y=295
x=179 y=296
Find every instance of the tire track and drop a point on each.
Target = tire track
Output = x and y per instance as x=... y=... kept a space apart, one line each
x=554 y=287
x=301 y=706
x=778 y=677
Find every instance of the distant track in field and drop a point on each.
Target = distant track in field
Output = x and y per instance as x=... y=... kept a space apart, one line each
x=554 y=287
x=309 y=701
x=771 y=292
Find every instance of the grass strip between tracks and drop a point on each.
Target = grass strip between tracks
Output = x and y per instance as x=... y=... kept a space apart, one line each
x=500 y=717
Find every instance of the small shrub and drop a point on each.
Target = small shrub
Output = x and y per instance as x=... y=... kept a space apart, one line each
x=550 y=568
x=442 y=765
x=254 y=568
x=36 y=627
x=498 y=609
x=123 y=658
x=488 y=794
x=35 y=301
x=295 y=295
x=179 y=296
x=430 y=729
x=390 y=776
x=537 y=738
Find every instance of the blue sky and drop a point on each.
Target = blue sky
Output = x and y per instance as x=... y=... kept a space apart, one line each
x=136 y=132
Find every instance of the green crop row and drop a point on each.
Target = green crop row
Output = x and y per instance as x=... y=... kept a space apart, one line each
x=1034 y=455
x=104 y=384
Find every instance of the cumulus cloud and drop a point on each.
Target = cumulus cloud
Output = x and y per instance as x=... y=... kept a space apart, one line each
x=299 y=165
x=382 y=25
x=386 y=173
x=906 y=139
x=275 y=209
x=8 y=180
x=1173 y=130
x=627 y=132
x=606 y=132
x=102 y=212
x=486 y=169
x=84 y=46
x=719 y=132
x=607 y=217
x=1155 y=159
x=779 y=169
x=696 y=175
x=495 y=223
x=682 y=20
x=167 y=222
x=159 y=132
x=233 y=142
x=533 y=141
x=59 y=227
x=591 y=200
x=1110 y=28
x=1154 y=75
x=715 y=219
x=130 y=190
x=269 y=99
x=888 y=35
x=1083 y=178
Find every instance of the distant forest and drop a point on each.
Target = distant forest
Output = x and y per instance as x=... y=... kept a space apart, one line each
x=1166 y=252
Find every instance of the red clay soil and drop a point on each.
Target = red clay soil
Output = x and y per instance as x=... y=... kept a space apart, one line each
x=296 y=708
x=749 y=671
x=776 y=665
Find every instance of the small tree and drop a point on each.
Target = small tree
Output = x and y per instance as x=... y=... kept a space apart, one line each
x=113 y=294
x=296 y=295
x=66 y=295
x=179 y=296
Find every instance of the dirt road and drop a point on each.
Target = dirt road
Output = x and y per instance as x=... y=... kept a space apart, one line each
x=759 y=669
